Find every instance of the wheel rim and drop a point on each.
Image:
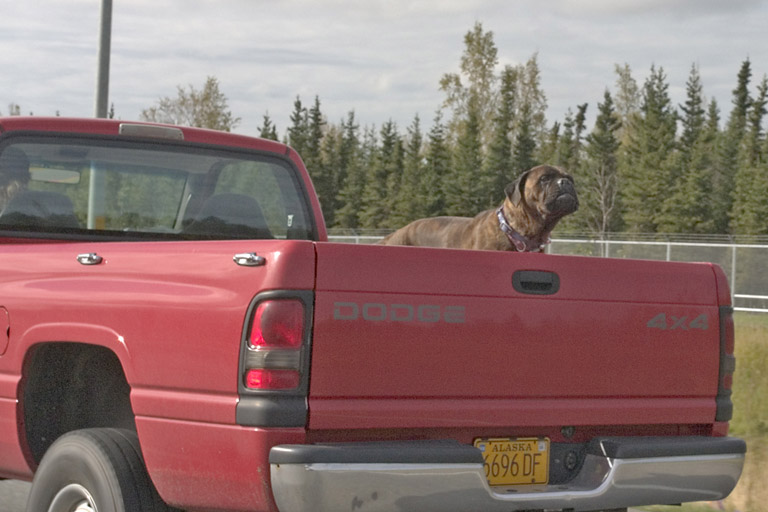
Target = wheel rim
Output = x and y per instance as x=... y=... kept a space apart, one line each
x=73 y=498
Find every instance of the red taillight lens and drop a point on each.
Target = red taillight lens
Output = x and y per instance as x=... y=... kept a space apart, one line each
x=272 y=379
x=274 y=352
x=278 y=324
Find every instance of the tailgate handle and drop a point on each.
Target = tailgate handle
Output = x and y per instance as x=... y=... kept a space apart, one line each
x=536 y=282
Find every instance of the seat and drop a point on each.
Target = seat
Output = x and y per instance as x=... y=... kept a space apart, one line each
x=231 y=215
x=39 y=209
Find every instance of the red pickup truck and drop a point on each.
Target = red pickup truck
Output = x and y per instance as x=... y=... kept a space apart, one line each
x=177 y=332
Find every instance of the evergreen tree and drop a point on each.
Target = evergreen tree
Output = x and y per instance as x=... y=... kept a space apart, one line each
x=325 y=176
x=598 y=180
x=407 y=205
x=438 y=165
x=498 y=164
x=320 y=164
x=525 y=143
x=549 y=151
x=579 y=127
x=298 y=131
x=465 y=184
x=268 y=130
x=314 y=127
x=693 y=112
x=565 y=143
x=351 y=176
x=731 y=141
x=751 y=153
x=650 y=157
x=383 y=179
x=688 y=209
x=749 y=215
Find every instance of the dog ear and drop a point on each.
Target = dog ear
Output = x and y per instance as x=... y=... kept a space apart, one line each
x=515 y=191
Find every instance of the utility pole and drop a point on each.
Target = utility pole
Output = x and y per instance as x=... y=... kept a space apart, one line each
x=102 y=74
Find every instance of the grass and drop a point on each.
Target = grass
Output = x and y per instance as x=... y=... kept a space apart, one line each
x=750 y=382
x=750 y=420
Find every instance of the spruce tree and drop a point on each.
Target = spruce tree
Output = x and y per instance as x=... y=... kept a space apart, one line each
x=598 y=180
x=465 y=183
x=688 y=208
x=751 y=149
x=297 y=133
x=268 y=130
x=383 y=179
x=731 y=141
x=548 y=152
x=498 y=163
x=326 y=172
x=525 y=143
x=321 y=168
x=693 y=112
x=579 y=127
x=314 y=126
x=351 y=176
x=749 y=214
x=649 y=174
x=565 y=142
x=407 y=204
x=437 y=167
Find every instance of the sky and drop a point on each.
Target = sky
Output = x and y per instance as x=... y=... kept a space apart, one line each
x=382 y=59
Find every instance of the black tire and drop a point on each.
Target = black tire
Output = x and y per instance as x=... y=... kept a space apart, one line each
x=98 y=469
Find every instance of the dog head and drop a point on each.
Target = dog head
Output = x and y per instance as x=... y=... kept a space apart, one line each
x=548 y=190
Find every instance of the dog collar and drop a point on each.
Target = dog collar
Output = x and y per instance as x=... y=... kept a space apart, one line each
x=521 y=243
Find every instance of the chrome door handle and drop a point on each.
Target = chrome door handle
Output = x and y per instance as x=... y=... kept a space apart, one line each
x=249 y=259
x=90 y=258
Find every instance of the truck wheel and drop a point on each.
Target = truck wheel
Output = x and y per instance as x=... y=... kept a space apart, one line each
x=94 y=470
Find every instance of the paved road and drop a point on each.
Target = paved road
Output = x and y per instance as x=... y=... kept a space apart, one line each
x=13 y=495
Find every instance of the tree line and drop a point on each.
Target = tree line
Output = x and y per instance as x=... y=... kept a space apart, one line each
x=645 y=166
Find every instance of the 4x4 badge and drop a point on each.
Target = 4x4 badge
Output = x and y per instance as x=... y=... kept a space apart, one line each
x=669 y=323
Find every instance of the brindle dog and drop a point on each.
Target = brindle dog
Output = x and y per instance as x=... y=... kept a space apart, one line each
x=535 y=203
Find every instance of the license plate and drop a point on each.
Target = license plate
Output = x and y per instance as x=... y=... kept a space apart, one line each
x=520 y=461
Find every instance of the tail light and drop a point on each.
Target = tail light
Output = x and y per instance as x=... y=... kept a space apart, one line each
x=724 y=410
x=275 y=345
x=274 y=360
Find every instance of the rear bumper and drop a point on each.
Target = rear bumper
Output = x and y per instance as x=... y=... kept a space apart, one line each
x=446 y=476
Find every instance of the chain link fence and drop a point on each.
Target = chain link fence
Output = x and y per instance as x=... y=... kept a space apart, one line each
x=743 y=259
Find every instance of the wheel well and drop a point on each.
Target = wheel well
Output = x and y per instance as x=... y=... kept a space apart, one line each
x=71 y=386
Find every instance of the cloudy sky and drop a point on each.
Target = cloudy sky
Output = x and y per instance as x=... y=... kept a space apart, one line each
x=381 y=58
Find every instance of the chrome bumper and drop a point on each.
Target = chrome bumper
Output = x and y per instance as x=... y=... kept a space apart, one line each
x=446 y=476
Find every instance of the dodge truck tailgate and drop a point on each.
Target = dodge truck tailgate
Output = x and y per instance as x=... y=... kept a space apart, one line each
x=424 y=338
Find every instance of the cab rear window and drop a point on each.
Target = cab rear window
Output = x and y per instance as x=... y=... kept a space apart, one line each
x=126 y=189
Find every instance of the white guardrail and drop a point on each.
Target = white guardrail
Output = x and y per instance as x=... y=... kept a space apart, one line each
x=746 y=265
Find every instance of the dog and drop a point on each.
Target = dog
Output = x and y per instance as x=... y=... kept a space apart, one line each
x=533 y=205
